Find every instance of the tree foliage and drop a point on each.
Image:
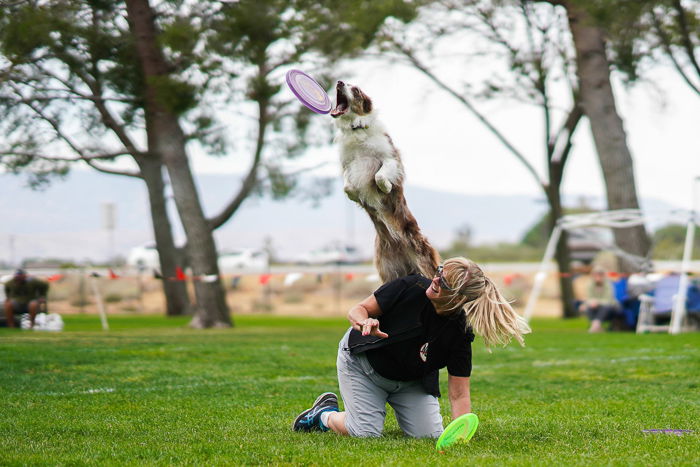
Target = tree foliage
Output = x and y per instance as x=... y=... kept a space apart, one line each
x=538 y=235
x=643 y=33
x=669 y=242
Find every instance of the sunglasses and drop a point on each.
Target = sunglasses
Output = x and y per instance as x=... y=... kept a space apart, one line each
x=441 y=280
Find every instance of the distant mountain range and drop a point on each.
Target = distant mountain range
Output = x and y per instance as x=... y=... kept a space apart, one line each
x=66 y=219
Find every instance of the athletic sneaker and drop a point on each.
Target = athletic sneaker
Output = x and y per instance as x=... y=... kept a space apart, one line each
x=310 y=419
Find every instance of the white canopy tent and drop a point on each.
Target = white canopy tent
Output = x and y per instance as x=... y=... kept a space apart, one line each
x=618 y=219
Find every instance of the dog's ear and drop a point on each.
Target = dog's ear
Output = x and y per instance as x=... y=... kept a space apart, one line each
x=366 y=103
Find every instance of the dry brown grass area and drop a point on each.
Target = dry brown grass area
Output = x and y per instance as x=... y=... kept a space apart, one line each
x=329 y=294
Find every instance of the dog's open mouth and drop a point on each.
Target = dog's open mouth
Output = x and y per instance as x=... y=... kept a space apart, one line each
x=341 y=102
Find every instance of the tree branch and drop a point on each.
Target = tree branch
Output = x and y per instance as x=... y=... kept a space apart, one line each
x=685 y=35
x=666 y=44
x=537 y=60
x=202 y=133
x=565 y=133
x=251 y=178
x=52 y=122
x=305 y=169
x=64 y=158
x=51 y=98
x=107 y=118
x=89 y=160
x=442 y=85
x=537 y=54
x=124 y=173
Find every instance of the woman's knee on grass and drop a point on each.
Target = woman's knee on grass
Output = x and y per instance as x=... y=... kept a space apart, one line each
x=363 y=427
x=336 y=422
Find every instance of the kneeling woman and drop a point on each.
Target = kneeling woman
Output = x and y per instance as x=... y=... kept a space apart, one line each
x=400 y=337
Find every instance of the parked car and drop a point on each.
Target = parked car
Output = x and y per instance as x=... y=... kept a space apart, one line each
x=243 y=259
x=332 y=254
x=585 y=244
x=146 y=257
x=143 y=257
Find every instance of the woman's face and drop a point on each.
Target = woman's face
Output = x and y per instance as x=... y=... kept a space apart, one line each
x=433 y=292
x=436 y=292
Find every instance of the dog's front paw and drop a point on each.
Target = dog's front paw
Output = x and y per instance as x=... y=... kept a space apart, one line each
x=360 y=123
x=383 y=183
x=351 y=193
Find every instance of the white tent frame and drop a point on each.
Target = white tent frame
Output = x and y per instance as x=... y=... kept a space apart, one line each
x=621 y=218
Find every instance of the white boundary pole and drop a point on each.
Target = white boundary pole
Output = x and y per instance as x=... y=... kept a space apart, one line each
x=679 y=311
x=542 y=272
x=100 y=304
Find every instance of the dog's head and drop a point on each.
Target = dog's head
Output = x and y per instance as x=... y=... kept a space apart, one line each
x=350 y=100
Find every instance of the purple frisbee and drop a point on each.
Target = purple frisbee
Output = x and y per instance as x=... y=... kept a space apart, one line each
x=309 y=92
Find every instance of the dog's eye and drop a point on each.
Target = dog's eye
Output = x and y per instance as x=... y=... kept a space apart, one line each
x=356 y=91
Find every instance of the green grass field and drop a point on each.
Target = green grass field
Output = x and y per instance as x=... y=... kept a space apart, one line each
x=154 y=392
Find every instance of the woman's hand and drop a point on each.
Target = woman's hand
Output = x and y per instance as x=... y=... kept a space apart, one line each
x=370 y=327
x=363 y=316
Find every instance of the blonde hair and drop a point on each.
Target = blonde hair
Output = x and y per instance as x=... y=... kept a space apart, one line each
x=488 y=312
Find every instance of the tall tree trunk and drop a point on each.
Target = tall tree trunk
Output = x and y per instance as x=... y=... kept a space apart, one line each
x=177 y=300
x=167 y=140
x=562 y=254
x=598 y=101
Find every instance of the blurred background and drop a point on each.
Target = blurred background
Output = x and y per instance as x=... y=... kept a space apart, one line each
x=156 y=145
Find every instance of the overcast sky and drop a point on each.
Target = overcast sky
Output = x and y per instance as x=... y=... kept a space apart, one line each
x=445 y=147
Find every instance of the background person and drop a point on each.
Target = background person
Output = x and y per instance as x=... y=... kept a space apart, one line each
x=600 y=304
x=24 y=294
x=399 y=338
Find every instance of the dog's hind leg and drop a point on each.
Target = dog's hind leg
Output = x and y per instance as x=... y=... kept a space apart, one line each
x=424 y=257
x=427 y=257
x=392 y=259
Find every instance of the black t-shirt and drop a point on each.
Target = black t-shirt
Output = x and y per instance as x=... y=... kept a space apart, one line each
x=438 y=342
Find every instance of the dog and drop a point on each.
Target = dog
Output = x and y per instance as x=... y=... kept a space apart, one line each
x=373 y=177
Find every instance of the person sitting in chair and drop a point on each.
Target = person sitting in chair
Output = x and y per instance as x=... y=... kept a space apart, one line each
x=600 y=304
x=24 y=294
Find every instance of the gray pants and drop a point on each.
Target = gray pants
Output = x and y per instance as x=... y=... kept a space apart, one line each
x=365 y=395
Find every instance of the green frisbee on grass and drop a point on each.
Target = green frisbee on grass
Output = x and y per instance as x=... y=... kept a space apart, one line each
x=460 y=429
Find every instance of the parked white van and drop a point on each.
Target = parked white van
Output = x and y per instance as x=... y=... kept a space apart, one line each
x=231 y=261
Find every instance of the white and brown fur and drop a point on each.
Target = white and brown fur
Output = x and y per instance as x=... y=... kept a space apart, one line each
x=373 y=177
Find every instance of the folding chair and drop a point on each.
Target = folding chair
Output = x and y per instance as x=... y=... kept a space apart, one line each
x=658 y=307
